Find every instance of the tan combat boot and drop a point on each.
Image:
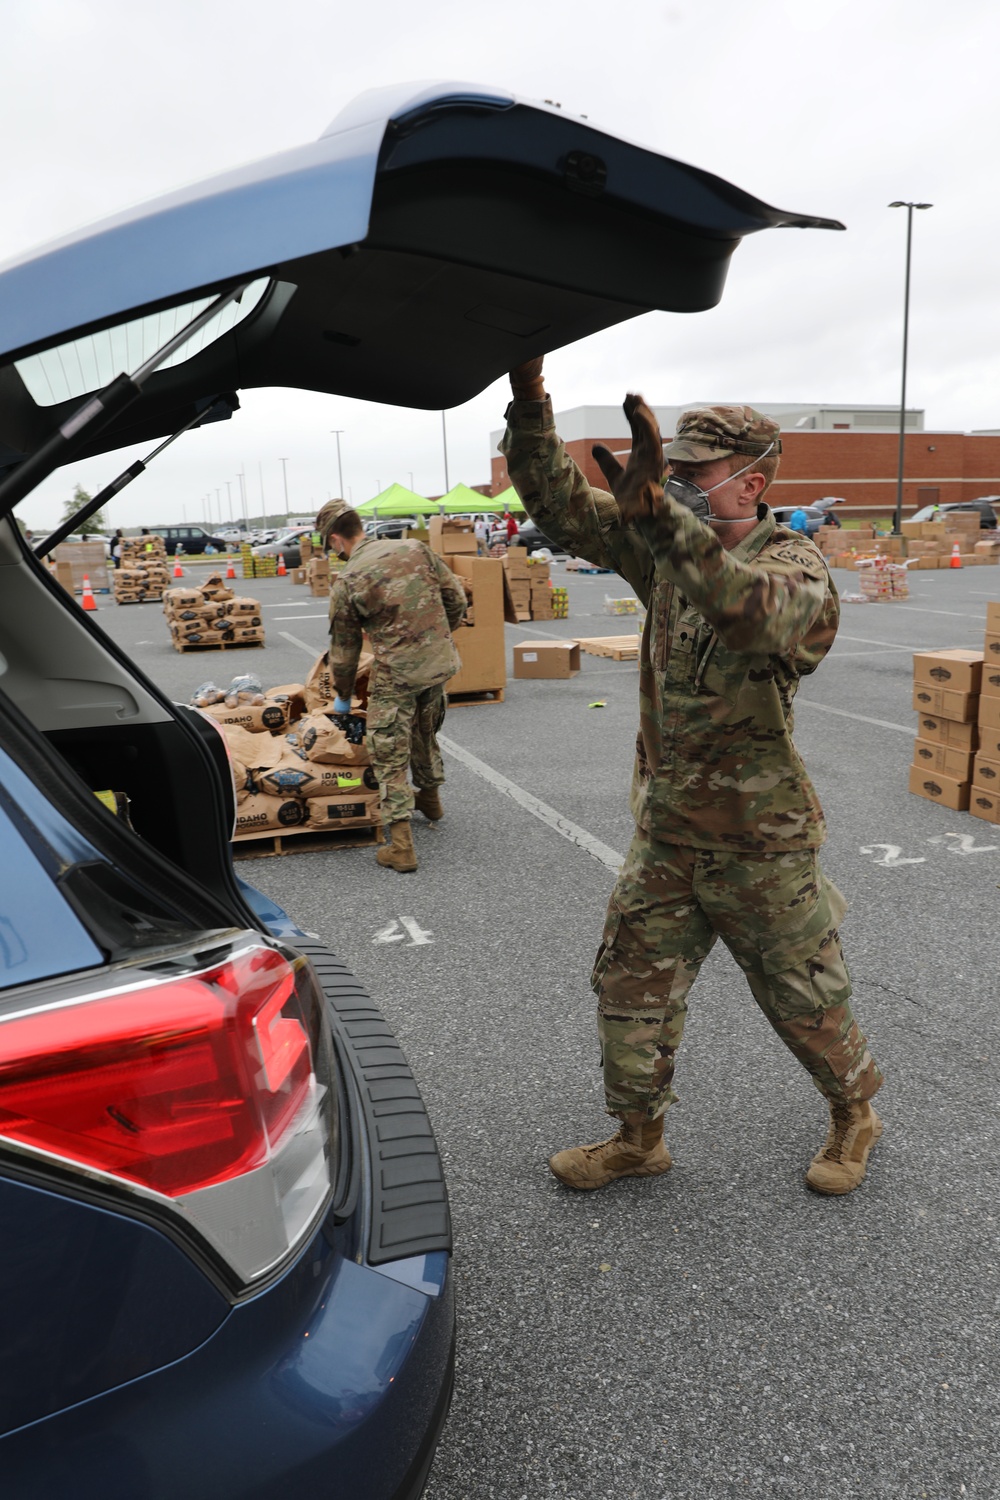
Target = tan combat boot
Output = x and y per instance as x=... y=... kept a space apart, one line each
x=428 y=802
x=636 y=1151
x=399 y=854
x=840 y=1166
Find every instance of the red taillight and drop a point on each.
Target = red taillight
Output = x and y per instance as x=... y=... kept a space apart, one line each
x=182 y=1085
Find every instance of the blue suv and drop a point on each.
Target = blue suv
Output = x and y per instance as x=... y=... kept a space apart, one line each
x=224 y=1233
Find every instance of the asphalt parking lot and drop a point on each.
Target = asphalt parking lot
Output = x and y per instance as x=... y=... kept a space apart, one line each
x=721 y=1331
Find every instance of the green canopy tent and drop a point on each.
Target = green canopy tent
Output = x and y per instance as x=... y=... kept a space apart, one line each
x=461 y=500
x=397 y=500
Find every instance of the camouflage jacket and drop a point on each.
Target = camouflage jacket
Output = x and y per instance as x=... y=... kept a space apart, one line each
x=409 y=601
x=727 y=636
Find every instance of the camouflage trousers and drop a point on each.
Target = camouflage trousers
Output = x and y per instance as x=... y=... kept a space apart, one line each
x=402 y=733
x=776 y=913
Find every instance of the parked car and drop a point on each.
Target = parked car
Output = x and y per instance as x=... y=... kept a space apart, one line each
x=816 y=513
x=984 y=505
x=225 y=1264
x=192 y=540
x=285 y=545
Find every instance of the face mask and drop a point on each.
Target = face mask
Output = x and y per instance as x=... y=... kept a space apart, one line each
x=696 y=500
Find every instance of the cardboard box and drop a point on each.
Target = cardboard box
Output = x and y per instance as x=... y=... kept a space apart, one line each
x=991 y=677
x=946 y=703
x=448 y=537
x=485 y=577
x=989 y=712
x=993 y=619
x=546 y=659
x=985 y=805
x=986 y=773
x=937 y=788
x=948 y=759
x=911 y=528
x=988 y=742
x=483 y=651
x=953 y=668
x=515 y=564
x=991 y=648
x=298 y=575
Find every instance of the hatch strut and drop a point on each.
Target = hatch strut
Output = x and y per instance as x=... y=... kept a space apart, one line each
x=98 y=410
x=209 y=412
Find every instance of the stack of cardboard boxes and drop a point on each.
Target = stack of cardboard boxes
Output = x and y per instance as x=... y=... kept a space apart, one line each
x=515 y=567
x=480 y=639
x=931 y=544
x=946 y=696
x=984 y=794
x=540 y=578
x=297 y=766
x=210 y=615
x=318 y=574
x=83 y=560
x=144 y=572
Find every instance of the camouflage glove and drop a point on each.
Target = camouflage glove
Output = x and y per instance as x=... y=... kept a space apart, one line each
x=638 y=487
x=526 y=380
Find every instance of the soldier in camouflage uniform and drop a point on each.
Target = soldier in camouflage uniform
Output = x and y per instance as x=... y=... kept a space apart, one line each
x=727 y=822
x=409 y=601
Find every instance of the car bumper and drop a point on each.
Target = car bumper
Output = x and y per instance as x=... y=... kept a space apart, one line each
x=332 y=1383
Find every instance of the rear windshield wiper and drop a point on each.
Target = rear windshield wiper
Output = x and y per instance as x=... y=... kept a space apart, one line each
x=98 y=410
x=216 y=409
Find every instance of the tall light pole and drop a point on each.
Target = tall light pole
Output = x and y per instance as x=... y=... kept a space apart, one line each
x=229 y=497
x=340 y=473
x=284 y=475
x=906 y=335
x=444 y=439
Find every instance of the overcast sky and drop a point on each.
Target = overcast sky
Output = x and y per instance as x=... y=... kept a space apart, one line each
x=833 y=107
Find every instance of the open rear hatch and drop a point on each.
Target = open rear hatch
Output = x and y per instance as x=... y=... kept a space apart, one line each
x=427 y=243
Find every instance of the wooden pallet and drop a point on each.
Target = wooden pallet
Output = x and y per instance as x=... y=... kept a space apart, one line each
x=215 y=645
x=150 y=599
x=577 y=565
x=305 y=840
x=489 y=695
x=617 y=647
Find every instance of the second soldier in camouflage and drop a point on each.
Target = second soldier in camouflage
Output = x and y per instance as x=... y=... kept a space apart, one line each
x=728 y=823
x=408 y=601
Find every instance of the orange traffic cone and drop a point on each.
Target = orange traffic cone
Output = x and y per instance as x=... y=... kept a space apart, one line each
x=178 y=570
x=87 y=600
x=282 y=570
x=956 y=557
x=230 y=571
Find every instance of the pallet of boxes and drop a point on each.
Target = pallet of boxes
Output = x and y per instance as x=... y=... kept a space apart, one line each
x=210 y=617
x=956 y=756
x=302 y=774
x=144 y=572
x=932 y=544
x=479 y=640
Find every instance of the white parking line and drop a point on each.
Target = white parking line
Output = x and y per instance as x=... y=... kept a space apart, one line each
x=312 y=650
x=957 y=614
x=300 y=617
x=842 y=713
x=538 y=809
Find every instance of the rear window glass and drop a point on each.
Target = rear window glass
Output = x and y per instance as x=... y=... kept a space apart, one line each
x=88 y=363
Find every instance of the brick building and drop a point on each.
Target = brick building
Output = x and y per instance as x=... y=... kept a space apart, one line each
x=850 y=451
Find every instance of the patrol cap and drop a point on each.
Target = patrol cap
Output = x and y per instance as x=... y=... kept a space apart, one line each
x=707 y=432
x=330 y=513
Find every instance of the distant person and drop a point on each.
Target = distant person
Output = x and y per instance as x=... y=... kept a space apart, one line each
x=511 y=525
x=482 y=536
x=799 y=521
x=830 y=519
x=408 y=601
x=116 y=547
